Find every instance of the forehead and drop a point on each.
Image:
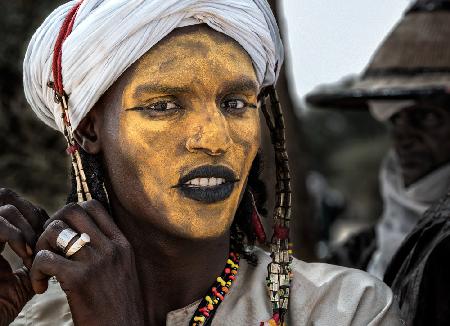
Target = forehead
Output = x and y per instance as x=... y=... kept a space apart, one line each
x=193 y=53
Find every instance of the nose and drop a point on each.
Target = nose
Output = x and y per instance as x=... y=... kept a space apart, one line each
x=210 y=134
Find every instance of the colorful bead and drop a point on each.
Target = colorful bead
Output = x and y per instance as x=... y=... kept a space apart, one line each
x=72 y=149
x=199 y=318
x=215 y=296
x=208 y=299
x=281 y=232
x=221 y=281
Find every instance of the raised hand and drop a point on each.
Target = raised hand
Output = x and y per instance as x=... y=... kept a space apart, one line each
x=100 y=279
x=21 y=223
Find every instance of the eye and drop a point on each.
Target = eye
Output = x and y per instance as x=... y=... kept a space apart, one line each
x=163 y=106
x=235 y=106
x=160 y=108
x=399 y=119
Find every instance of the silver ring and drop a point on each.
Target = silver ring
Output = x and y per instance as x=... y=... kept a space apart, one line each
x=77 y=245
x=64 y=238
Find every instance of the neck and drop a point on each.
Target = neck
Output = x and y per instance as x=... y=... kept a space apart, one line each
x=173 y=272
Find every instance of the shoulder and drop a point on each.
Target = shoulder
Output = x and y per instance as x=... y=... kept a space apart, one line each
x=50 y=308
x=323 y=294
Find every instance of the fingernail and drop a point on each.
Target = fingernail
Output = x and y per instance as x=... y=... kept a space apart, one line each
x=29 y=250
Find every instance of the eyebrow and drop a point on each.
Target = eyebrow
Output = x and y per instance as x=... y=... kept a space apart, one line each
x=242 y=84
x=159 y=88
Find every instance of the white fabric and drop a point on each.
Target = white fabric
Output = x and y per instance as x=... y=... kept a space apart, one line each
x=109 y=35
x=321 y=295
x=384 y=110
x=403 y=207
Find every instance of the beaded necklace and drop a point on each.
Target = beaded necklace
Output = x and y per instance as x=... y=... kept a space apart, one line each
x=215 y=296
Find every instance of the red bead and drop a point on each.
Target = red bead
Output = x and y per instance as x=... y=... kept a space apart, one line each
x=227 y=270
x=281 y=232
x=72 y=149
x=276 y=317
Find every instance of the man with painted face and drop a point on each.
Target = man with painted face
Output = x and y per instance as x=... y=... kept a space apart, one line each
x=159 y=103
x=407 y=85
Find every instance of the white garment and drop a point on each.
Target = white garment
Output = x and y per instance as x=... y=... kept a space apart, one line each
x=110 y=35
x=321 y=295
x=403 y=207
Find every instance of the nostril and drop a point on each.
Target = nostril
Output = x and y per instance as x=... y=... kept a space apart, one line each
x=211 y=143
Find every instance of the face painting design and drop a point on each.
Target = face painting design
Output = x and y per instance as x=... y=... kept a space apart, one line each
x=180 y=145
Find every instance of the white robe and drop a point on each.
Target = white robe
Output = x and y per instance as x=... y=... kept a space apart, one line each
x=403 y=207
x=321 y=294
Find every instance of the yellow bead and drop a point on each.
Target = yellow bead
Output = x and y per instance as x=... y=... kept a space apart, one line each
x=200 y=319
x=230 y=262
x=221 y=281
x=273 y=323
x=208 y=299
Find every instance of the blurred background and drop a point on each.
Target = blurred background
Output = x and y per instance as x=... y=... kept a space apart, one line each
x=334 y=155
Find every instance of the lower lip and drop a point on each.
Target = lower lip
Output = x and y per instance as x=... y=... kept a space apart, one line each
x=208 y=194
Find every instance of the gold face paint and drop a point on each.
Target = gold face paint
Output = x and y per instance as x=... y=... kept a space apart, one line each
x=190 y=101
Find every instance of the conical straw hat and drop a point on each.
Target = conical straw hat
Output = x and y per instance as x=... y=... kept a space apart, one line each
x=412 y=62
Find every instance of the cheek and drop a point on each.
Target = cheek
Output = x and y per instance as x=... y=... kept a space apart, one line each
x=145 y=147
x=246 y=132
x=246 y=135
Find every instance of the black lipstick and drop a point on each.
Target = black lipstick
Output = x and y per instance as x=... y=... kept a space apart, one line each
x=208 y=183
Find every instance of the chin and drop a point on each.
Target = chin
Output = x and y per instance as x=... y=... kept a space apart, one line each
x=198 y=231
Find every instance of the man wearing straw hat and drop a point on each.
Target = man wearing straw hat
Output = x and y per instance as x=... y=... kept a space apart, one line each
x=407 y=83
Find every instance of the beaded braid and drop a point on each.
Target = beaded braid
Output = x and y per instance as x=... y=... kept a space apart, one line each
x=60 y=96
x=95 y=179
x=279 y=270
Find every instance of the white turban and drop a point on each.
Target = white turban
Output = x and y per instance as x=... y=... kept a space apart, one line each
x=110 y=35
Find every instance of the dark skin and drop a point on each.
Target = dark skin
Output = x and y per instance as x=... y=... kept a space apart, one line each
x=114 y=280
x=420 y=135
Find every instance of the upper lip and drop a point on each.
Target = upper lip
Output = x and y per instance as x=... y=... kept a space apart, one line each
x=209 y=171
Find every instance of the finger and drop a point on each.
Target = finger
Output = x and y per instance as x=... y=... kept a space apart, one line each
x=35 y=216
x=80 y=221
x=102 y=218
x=47 y=264
x=13 y=215
x=48 y=240
x=12 y=235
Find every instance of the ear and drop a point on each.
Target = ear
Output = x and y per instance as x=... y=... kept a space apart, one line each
x=87 y=133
